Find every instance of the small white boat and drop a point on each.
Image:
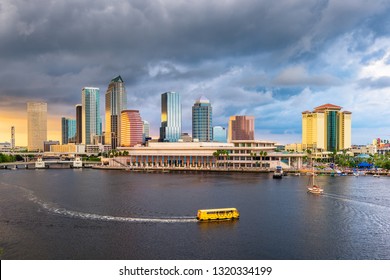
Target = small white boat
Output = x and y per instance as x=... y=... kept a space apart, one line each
x=313 y=188
x=376 y=175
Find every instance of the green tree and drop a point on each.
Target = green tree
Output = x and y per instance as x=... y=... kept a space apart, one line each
x=216 y=155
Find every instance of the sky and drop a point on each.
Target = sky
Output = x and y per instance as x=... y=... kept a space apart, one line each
x=269 y=59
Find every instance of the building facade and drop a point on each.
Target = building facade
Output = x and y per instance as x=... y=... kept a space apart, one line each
x=48 y=144
x=238 y=155
x=116 y=102
x=68 y=148
x=36 y=125
x=91 y=120
x=5 y=147
x=202 y=120
x=326 y=128
x=145 y=131
x=68 y=130
x=131 y=128
x=219 y=134
x=79 y=124
x=241 y=128
x=170 y=130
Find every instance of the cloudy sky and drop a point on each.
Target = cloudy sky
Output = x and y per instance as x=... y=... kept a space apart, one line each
x=270 y=59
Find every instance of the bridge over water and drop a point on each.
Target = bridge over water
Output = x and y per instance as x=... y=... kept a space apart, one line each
x=40 y=164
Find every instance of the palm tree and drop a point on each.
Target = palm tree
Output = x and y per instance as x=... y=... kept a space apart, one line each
x=253 y=157
x=265 y=154
x=216 y=154
x=226 y=155
x=261 y=153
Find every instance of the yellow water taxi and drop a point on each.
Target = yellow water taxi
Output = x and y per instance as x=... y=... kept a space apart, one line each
x=218 y=214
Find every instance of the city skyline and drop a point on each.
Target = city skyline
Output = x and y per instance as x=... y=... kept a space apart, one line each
x=268 y=60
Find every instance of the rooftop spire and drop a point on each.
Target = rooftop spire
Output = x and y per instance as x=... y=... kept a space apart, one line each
x=117 y=79
x=202 y=99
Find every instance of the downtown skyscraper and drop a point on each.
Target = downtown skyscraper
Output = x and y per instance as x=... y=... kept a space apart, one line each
x=202 y=120
x=116 y=102
x=91 y=120
x=170 y=130
x=36 y=125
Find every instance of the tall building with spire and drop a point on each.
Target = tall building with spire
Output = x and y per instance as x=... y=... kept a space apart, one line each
x=241 y=128
x=91 y=119
x=36 y=125
x=170 y=130
x=326 y=128
x=116 y=102
x=202 y=120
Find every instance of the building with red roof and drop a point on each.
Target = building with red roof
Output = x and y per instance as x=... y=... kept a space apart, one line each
x=326 y=128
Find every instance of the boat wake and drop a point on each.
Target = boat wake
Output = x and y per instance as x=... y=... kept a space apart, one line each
x=51 y=208
x=354 y=200
x=374 y=214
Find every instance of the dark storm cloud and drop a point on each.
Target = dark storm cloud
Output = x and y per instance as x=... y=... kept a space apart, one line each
x=175 y=30
x=153 y=29
x=51 y=49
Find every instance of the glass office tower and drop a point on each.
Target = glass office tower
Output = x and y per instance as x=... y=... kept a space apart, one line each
x=202 y=121
x=219 y=134
x=91 y=120
x=170 y=130
x=68 y=130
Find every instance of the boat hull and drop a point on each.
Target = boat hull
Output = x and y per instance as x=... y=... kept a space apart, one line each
x=313 y=190
x=277 y=176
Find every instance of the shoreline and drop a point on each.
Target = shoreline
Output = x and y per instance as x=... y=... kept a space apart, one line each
x=291 y=172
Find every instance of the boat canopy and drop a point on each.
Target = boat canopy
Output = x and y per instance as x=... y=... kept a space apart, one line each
x=365 y=164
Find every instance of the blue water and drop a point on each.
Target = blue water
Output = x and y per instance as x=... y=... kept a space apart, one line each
x=94 y=214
